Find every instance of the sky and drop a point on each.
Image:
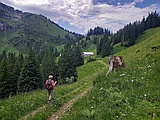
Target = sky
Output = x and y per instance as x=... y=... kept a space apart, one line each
x=81 y=15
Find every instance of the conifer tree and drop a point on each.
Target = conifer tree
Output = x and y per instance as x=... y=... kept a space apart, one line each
x=66 y=64
x=155 y=20
x=77 y=54
x=30 y=77
x=106 y=46
x=48 y=65
x=11 y=75
x=4 y=83
x=4 y=55
x=149 y=21
x=17 y=70
x=99 y=47
x=142 y=26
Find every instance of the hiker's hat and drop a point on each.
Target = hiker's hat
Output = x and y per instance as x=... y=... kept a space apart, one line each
x=50 y=76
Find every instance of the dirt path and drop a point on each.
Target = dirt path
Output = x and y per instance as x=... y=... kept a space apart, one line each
x=62 y=110
x=33 y=113
x=67 y=106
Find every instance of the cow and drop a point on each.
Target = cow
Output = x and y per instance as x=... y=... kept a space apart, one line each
x=115 y=62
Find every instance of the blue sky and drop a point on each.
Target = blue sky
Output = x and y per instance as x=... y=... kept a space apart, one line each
x=81 y=15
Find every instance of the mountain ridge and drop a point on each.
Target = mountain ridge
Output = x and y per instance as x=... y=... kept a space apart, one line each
x=22 y=29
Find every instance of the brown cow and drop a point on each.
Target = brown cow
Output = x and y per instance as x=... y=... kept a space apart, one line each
x=115 y=62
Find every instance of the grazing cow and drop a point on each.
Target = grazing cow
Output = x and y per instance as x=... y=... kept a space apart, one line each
x=115 y=62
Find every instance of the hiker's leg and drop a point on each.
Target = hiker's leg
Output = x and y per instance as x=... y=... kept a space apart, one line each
x=50 y=95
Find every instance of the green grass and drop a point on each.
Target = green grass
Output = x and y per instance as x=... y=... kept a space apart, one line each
x=21 y=105
x=130 y=94
x=4 y=42
x=118 y=48
x=90 y=46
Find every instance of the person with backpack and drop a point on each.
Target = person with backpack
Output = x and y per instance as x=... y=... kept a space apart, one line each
x=50 y=84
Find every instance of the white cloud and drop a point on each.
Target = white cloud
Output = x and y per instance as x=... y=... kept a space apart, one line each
x=83 y=13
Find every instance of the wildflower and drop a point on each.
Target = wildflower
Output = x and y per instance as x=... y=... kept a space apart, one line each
x=122 y=75
x=2 y=107
x=132 y=80
x=145 y=95
x=101 y=88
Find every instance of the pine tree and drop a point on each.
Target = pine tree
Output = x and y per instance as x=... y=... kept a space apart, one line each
x=106 y=46
x=142 y=26
x=17 y=70
x=77 y=54
x=48 y=65
x=4 y=83
x=11 y=75
x=30 y=77
x=99 y=47
x=67 y=67
x=149 y=21
x=4 y=55
x=155 y=20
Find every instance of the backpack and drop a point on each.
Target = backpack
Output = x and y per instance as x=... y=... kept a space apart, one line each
x=49 y=85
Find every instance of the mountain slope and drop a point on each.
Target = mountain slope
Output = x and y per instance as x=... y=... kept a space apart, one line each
x=19 y=30
x=132 y=93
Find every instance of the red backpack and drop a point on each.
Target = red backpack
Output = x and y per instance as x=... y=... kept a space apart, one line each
x=49 y=85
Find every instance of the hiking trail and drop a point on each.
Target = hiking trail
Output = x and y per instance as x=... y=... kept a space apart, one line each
x=62 y=110
x=67 y=106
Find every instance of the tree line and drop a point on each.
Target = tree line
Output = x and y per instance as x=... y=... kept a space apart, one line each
x=24 y=73
x=126 y=36
x=98 y=31
x=131 y=31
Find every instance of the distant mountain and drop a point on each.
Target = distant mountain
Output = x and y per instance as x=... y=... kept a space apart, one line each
x=19 y=30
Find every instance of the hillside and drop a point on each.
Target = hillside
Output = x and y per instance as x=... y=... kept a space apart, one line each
x=132 y=93
x=19 y=30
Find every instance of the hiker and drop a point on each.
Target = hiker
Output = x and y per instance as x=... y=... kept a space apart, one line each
x=50 y=84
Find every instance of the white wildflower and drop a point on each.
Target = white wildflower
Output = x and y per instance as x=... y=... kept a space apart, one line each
x=122 y=75
x=101 y=88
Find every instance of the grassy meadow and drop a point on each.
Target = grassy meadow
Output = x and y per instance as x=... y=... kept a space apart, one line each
x=132 y=93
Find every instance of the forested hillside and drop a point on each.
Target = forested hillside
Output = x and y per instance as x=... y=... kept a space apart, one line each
x=20 y=30
x=126 y=36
